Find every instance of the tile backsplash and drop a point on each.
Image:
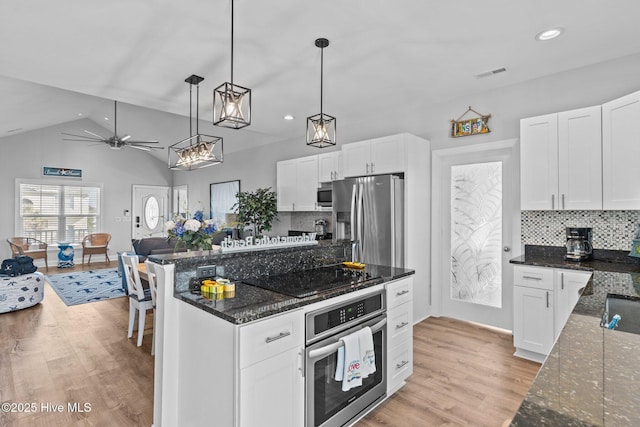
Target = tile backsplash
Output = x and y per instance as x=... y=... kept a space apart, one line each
x=305 y=221
x=611 y=229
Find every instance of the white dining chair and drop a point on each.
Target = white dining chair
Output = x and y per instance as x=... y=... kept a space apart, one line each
x=139 y=298
x=153 y=287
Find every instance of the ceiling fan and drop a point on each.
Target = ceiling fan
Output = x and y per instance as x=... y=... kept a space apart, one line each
x=114 y=142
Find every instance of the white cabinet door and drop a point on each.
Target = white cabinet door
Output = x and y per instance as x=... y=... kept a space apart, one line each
x=307 y=184
x=621 y=153
x=286 y=172
x=329 y=166
x=580 y=159
x=533 y=319
x=387 y=155
x=272 y=392
x=539 y=162
x=356 y=159
x=569 y=285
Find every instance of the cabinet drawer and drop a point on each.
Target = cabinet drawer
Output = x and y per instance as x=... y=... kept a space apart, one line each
x=534 y=277
x=400 y=324
x=399 y=366
x=266 y=338
x=399 y=292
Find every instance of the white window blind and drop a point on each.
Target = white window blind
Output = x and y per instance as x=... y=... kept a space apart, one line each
x=55 y=213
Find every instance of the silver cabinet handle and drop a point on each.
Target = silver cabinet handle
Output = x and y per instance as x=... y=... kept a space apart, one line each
x=506 y=249
x=372 y=164
x=401 y=364
x=367 y=167
x=562 y=281
x=553 y=199
x=399 y=294
x=277 y=337
x=293 y=206
x=563 y=201
x=532 y=278
x=547 y=299
x=402 y=325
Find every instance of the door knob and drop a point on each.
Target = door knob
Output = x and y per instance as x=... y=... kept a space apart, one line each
x=506 y=249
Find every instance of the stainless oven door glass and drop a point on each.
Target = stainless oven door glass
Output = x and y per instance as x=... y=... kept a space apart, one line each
x=327 y=405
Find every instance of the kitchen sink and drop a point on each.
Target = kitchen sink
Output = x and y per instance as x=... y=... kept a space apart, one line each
x=627 y=307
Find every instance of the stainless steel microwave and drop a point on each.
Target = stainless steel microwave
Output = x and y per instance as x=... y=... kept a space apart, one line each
x=324 y=196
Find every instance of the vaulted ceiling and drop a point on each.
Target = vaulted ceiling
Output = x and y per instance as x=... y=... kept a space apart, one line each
x=386 y=58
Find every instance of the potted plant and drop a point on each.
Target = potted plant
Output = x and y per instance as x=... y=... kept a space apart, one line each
x=257 y=209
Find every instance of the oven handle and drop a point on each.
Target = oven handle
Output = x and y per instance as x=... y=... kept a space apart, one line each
x=332 y=348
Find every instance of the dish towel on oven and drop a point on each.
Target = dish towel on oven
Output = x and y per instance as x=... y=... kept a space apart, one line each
x=348 y=363
x=367 y=353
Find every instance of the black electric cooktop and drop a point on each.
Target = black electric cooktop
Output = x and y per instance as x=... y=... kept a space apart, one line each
x=300 y=284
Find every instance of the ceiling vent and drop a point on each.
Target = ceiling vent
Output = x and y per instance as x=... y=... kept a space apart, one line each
x=491 y=72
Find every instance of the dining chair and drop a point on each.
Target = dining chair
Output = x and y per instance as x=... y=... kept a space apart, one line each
x=153 y=287
x=139 y=298
x=96 y=244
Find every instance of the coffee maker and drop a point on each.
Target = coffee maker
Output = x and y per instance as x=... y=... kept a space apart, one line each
x=579 y=244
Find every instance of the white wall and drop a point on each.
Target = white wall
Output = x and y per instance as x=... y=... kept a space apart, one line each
x=24 y=155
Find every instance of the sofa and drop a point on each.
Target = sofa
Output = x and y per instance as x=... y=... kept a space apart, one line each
x=20 y=292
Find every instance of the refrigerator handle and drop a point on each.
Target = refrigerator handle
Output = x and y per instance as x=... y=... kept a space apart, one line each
x=354 y=238
x=360 y=227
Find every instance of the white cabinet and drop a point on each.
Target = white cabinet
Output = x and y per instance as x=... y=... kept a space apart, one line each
x=561 y=160
x=621 y=153
x=543 y=300
x=329 y=166
x=297 y=184
x=399 y=333
x=374 y=157
x=533 y=323
x=271 y=381
x=568 y=288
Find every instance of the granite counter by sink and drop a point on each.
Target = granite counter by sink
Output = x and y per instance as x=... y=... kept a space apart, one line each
x=252 y=303
x=592 y=375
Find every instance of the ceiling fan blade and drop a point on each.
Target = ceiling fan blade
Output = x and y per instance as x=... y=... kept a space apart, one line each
x=95 y=134
x=143 y=142
x=138 y=147
x=86 y=138
x=124 y=138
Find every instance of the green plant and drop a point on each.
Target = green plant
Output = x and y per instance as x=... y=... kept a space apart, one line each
x=257 y=208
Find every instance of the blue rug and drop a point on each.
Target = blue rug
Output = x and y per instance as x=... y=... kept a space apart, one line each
x=87 y=286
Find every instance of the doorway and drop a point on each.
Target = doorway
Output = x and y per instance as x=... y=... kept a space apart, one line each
x=150 y=210
x=476 y=223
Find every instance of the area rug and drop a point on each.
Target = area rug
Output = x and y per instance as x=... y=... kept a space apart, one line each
x=87 y=286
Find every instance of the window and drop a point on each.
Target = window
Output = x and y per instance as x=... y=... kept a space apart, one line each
x=56 y=213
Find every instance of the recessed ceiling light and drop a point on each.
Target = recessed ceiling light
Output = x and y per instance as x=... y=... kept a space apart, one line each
x=79 y=114
x=288 y=117
x=106 y=118
x=549 y=34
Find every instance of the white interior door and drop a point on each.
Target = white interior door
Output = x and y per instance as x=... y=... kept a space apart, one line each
x=476 y=203
x=150 y=210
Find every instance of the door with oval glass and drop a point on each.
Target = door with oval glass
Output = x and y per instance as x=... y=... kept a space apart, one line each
x=150 y=210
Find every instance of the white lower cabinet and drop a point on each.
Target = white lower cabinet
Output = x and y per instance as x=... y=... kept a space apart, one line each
x=271 y=381
x=399 y=333
x=543 y=300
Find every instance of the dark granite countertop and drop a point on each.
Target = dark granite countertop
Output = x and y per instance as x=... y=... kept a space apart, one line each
x=252 y=303
x=591 y=376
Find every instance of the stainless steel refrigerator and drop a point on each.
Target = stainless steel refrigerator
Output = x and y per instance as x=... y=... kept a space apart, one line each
x=369 y=212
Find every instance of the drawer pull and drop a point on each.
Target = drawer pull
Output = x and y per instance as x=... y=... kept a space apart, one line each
x=398 y=294
x=402 y=325
x=277 y=337
x=532 y=277
x=401 y=364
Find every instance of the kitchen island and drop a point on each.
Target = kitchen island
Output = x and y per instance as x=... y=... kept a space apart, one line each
x=591 y=376
x=240 y=361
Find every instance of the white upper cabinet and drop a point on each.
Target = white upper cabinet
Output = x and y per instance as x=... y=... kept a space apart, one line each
x=561 y=160
x=330 y=166
x=297 y=184
x=374 y=157
x=621 y=153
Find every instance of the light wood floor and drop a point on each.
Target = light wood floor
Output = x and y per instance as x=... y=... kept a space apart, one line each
x=464 y=374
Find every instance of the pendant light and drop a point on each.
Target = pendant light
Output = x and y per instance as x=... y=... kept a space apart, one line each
x=199 y=150
x=321 y=128
x=231 y=103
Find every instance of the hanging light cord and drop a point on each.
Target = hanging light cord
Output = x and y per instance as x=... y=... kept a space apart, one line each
x=190 y=109
x=231 y=44
x=321 y=76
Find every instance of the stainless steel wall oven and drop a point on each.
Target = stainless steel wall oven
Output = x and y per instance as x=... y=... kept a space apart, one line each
x=326 y=403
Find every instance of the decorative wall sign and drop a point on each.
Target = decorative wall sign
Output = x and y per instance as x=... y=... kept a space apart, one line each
x=474 y=126
x=252 y=244
x=68 y=173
